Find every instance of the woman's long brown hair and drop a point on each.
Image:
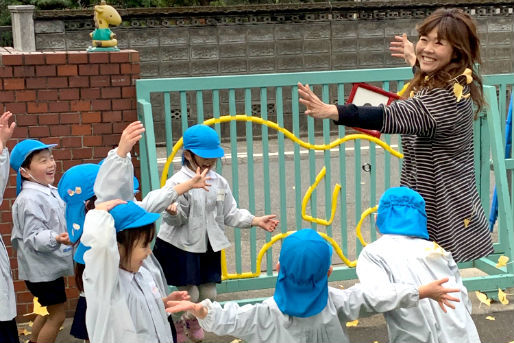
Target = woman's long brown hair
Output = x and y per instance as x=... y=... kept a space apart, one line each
x=459 y=30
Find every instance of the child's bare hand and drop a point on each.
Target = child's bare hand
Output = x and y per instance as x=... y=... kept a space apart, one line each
x=109 y=205
x=401 y=47
x=130 y=136
x=6 y=130
x=267 y=222
x=200 y=180
x=178 y=296
x=63 y=238
x=198 y=310
x=172 y=209
x=436 y=291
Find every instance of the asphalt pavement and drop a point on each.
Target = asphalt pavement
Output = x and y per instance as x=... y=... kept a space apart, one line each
x=495 y=324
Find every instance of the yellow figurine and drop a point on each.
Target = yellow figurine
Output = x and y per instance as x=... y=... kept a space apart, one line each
x=102 y=36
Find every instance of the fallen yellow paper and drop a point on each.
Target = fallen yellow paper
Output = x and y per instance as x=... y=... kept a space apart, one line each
x=352 y=323
x=483 y=298
x=236 y=341
x=502 y=261
x=490 y=318
x=502 y=296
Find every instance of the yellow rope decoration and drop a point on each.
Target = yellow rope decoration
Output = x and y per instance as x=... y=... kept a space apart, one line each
x=226 y=276
x=358 y=228
x=287 y=133
x=307 y=196
x=242 y=117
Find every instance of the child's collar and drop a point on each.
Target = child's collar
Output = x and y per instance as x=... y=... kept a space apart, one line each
x=37 y=186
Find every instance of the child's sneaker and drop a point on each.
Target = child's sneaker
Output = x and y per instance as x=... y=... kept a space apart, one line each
x=180 y=326
x=193 y=330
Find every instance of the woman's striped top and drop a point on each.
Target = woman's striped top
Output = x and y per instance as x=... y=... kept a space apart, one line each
x=437 y=142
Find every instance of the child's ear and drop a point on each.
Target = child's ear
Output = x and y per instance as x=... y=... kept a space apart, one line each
x=330 y=271
x=277 y=267
x=24 y=173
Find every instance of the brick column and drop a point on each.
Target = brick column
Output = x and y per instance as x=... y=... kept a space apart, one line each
x=78 y=100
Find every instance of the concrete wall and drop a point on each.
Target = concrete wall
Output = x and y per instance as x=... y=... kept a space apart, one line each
x=78 y=100
x=182 y=42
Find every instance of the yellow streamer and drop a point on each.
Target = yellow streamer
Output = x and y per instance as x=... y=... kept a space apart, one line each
x=226 y=276
x=337 y=188
x=288 y=134
x=358 y=228
x=307 y=196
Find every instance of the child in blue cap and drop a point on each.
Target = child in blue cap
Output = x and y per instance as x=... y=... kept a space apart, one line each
x=124 y=304
x=116 y=179
x=76 y=189
x=192 y=232
x=39 y=234
x=304 y=308
x=8 y=329
x=404 y=254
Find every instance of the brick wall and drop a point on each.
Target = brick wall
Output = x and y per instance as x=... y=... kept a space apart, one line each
x=78 y=100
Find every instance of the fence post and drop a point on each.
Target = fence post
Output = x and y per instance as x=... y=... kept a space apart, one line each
x=23 y=27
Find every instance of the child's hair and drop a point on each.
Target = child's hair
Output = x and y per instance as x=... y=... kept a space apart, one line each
x=129 y=239
x=459 y=30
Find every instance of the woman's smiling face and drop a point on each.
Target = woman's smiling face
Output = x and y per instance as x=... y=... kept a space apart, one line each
x=432 y=52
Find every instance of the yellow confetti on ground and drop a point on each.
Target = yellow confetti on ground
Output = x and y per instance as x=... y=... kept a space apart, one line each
x=236 y=341
x=502 y=261
x=352 y=323
x=490 y=318
x=483 y=298
x=502 y=296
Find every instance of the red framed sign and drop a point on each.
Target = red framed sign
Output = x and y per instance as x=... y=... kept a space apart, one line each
x=363 y=94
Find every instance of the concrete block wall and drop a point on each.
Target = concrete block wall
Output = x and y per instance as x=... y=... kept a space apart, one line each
x=179 y=42
x=78 y=100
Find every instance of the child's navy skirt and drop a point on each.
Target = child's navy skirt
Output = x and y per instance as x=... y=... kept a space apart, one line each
x=183 y=268
x=78 y=327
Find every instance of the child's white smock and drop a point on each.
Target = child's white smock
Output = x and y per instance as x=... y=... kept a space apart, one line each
x=38 y=217
x=7 y=295
x=266 y=323
x=397 y=258
x=202 y=215
x=121 y=306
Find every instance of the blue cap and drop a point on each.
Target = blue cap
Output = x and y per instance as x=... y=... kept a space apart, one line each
x=302 y=283
x=130 y=215
x=126 y=216
x=75 y=188
x=401 y=211
x=203 y=141
x=20 y=152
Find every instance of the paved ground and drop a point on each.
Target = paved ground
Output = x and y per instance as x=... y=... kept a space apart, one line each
x=494 y=324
